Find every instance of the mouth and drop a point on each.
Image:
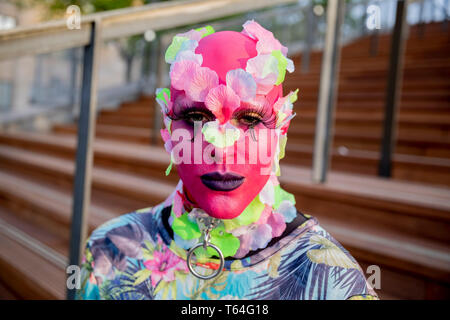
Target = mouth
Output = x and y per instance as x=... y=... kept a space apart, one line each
x=222 y=181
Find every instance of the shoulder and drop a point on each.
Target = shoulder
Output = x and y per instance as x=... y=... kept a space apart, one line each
x=112 y=244
x=323 y=267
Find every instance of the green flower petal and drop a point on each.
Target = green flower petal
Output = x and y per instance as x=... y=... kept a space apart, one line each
x=160 y=95
x=209 y=30
x=282 y=65
x=217 y=138
x=174 y=47
x=283 y=140
x=293 y=96
x=281 y=117
x=227 y=243
x=251 y=214
x=281 y=195
x=185 y=228
x=169 y=168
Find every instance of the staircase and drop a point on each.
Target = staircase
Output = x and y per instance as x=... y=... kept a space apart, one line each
x=400 y=224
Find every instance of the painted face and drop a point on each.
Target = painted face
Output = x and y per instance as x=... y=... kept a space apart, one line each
x=222 y=115
x=226 y=165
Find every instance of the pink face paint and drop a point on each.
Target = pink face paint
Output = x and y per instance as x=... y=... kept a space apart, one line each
x=220 y=175
x=238 y=173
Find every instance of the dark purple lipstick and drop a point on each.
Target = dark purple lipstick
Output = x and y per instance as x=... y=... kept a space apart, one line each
x=222 y=181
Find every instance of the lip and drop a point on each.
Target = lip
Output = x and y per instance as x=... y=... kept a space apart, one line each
x=222 y=181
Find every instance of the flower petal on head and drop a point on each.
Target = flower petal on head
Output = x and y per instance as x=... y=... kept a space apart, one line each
x=174 y=48
x=242 y=83
x=163 y=99
x=181 y=73
x=266 y=40
x=191 y=34
x=264 y=69
x=222 y=100
x=189 y=56
x=278 y=105
x=262 y=65
x=201 y=83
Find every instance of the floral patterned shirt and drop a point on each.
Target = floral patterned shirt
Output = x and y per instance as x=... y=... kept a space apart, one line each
x=135 y=257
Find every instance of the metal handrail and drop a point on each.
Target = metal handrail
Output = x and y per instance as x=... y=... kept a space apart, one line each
x=55 y=35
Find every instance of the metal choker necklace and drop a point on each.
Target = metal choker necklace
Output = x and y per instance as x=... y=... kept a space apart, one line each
x=206 y=225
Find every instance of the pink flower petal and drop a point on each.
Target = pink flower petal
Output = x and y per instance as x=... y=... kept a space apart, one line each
x=204 y=79
x=261 y=237
x=191 y=34
x=222 y=101
x=276 y=221
x=155 y=276
x=266 y=40
x=264 y=215
x=242 y=83
x=181 y=73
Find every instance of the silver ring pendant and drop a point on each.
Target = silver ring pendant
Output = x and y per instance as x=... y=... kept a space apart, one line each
x=205 y=245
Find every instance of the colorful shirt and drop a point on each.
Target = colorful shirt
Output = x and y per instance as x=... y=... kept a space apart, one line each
x=135 y=257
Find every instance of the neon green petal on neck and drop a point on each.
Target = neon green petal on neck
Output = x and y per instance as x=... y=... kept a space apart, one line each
x=185 y=228
x=251 y=214
x=227 y=243
x=281 y=195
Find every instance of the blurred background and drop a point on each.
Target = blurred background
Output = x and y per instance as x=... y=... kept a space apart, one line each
x=392 y=101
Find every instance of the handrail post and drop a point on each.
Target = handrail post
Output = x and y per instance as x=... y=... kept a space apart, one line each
x=84 y=153
x=327 y=91
x=160 y=82
x=393 y=91
x=306 y=55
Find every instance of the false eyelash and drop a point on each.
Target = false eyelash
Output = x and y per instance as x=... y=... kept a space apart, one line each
x=268 y=118
x=184 y=112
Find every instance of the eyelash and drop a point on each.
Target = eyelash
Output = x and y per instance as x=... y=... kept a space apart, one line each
x=254 y=116
x=186 y=115
x=260 y=115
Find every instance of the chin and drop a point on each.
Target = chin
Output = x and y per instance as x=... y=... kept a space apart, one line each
x=223 y=207
x=224 y=204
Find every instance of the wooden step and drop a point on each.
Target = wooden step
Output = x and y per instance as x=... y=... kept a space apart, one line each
x=108 y=153
x=405 y=167
x=46 y=205
x=60 y=172
x=30 y=269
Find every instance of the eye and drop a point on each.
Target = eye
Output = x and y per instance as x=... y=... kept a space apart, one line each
x=196 y=116
x=250 y=119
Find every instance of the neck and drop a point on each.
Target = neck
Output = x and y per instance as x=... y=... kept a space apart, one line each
x=263 y=220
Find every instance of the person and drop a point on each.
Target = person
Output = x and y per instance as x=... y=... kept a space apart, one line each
x=228 y=230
